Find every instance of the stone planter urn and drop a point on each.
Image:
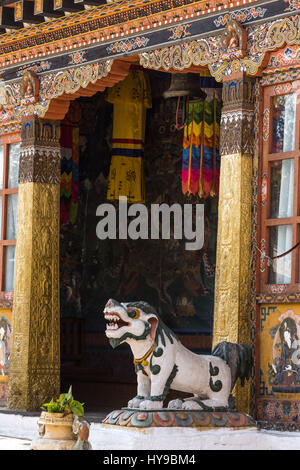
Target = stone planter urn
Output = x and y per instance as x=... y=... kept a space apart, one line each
x=55 y=432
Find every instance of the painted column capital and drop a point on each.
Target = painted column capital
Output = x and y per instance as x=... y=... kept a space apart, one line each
x=237 y=117
x=40 y=151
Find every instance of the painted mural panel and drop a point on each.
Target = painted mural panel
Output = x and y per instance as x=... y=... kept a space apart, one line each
x=279 y=387
x=5 y=336
x=5 y=342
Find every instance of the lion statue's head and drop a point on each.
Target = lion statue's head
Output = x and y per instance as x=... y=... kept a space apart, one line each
x=132 y=320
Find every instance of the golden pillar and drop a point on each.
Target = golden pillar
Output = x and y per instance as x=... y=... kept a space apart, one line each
x=233 y=265
x=34 y=375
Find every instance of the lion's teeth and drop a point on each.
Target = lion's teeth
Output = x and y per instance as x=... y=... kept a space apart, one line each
x=112 y=326
x=112 y=318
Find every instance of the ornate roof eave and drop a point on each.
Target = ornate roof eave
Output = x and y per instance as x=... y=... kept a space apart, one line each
x=114 y=23
x=57 y=89
x=114 y=20
x=81 y=74
x=211 y=52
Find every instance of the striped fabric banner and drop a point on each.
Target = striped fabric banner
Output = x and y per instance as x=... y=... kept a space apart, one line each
x=200 y=157
x=127 y=147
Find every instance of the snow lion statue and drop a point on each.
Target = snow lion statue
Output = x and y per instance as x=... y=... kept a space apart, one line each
x=163 y=363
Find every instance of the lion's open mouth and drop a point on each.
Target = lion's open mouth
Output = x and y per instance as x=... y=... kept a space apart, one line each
x=114 y=322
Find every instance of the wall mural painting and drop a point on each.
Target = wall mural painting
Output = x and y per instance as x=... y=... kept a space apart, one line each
x=178 y=283
x=5 y=335
x=5 y=344
x=279 y=363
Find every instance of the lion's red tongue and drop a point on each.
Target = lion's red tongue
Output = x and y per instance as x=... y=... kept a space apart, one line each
x=122 y=323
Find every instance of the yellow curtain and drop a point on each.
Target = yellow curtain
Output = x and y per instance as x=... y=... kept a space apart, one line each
x=130 y=98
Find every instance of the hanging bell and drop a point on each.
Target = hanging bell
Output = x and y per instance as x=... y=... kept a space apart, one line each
x=185 y=84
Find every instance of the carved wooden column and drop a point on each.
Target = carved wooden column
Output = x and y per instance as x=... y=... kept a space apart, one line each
x=34 y=375
x=233 y=266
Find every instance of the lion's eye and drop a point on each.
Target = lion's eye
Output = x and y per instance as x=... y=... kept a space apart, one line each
x=133 y=313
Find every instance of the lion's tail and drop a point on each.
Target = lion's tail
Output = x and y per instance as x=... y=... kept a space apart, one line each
x=239 y=359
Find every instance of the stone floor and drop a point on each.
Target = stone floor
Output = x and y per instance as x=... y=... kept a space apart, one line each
x=17 y=430
x=12 y=443
x=182 y=440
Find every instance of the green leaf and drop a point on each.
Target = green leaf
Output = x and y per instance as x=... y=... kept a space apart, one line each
x=69 y=394
x=65 y=404
x=77 y=408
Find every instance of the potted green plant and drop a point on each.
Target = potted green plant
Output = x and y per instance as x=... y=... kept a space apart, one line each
x=56 y=423
x=65 y=404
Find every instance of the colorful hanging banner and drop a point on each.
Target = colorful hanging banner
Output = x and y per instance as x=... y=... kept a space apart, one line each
x=200 y=157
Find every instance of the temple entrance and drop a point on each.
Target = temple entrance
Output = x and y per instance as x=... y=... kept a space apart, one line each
x=177 y=282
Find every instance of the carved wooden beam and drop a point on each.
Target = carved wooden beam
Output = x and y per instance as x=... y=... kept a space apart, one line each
x=13 y=15
x=68 y=6
x=6 y=2
x=7 y=19
x=46 y=8
x=95 y=3
x=24 y=11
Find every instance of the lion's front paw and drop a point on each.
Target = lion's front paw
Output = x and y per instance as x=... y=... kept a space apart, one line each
x=175 y=404
x=191 y=405
x=150 y=405
x=135 y=402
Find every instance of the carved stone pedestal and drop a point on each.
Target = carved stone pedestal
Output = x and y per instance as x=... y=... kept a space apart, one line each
x=177 y=418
